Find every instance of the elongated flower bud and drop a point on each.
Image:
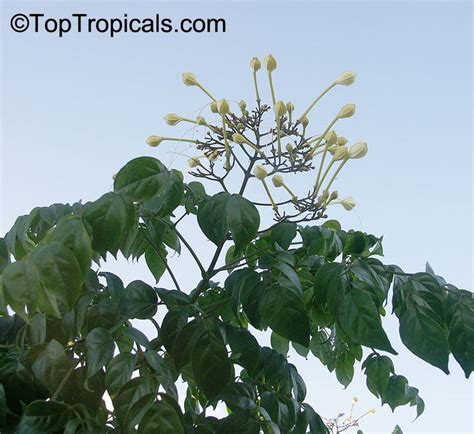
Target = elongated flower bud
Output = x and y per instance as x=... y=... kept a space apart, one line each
x=194 y=162
x=255 y=64
x=154 y=141
x=242 y=105
x=213 y=156
x=260 y=172
x=290 y=107
x=201 y=121
x=214 y=107
x=346 y=78
x=278 y=181
x=331 y=138
x=341 y=153
x=347 y=111
x=332 y=149
x=190 y=79
x=223 y=107
x=289 y=148
x=304 y=121
x=358 y=150
x=341 y=141
x=270 y=63
x=172 y=119
x=280 y=109
x=348 y=203
x=238 y=138
x=333 y=196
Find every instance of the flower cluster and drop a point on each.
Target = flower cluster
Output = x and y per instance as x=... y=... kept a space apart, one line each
x=238 y=138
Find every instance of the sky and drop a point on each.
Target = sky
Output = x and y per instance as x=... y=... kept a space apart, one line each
x=77 y=108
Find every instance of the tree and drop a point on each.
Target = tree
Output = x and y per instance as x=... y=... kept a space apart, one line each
x=66 y=332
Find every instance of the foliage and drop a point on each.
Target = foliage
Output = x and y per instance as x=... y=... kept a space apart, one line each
x=67 y=335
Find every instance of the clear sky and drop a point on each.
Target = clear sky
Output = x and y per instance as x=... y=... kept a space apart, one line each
x=76 y=109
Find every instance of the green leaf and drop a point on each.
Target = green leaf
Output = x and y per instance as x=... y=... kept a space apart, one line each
x=378 y=370
x=3 y=406
x=51 y=365
x=424 y=337
x=162 y=372
x=244 y=221
x=316 y=424
x=395 y=394
x=291 y=275
x=212 y=218
x=345 y=368
x=461 y=335
x=59 y=271
x=328 y=286
x=139 y=301
x=71 y=232
x=184 y=344
x=99 y=350
x=21 y=284
x=280 y=344
x=162 y=418
x=283 y=234
x=397 y=430
x=110 y=217
x=44 y=416
x=169 y=196
x=119 y=372
x=37 y=329
x=140 y=178
x=360 y=320
x=210 y=365
x=244 y=346
x=156 y=261
x=4 y=255
x=284 y=311
x=172 y=324
x=139 y=389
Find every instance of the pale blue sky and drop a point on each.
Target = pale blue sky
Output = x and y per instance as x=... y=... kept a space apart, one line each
x=76 y=109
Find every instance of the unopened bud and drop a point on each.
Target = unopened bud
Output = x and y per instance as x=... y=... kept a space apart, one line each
x=154 y=141
x=358 y=150
x=213 y=156
x=270 y=63
x=331 y=138
x=304 y=121
x=172 y=119
x=242 y=105
x=190 y=79
x=325 y=196
x=255 y=64
x=289 y=148
x=214 y=107
x=341 y=141
x=277 y=181
x=290 y=107
x=334 y=195
x=347 y=111
x=201 y=121
x=341 y=153
x=223 y=107
x=332 y=149
x=346 y=78
x=280 y=109
x=348 y=203
x=355 y=400
x=238 y=138
x=372 y=411
x=260 y=172
x=194 y=162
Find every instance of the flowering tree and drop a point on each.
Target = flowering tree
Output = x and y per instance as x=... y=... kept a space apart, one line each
x=66 y=336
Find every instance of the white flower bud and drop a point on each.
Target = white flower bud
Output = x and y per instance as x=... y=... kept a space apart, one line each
x=154 y=141
x=341 y=153
x=358 y=150
x=341 y=141
x=355 y=400
x=172 y=119
x=213 y=156
x=255 y=64
x=332 y=149
x=201 y=121
x=277 y=181
x=260 y=172
x=190 y=79
x=290 y=107
x=347 y=111
x=194 y=162
x=214 y=107
x=270 y=63
x=346 y=78
x=238 y=138
x=348 y=203
x=331 y=138
x=280 y=109
x=223 y=107
x=304 y=121
x=372 y=411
